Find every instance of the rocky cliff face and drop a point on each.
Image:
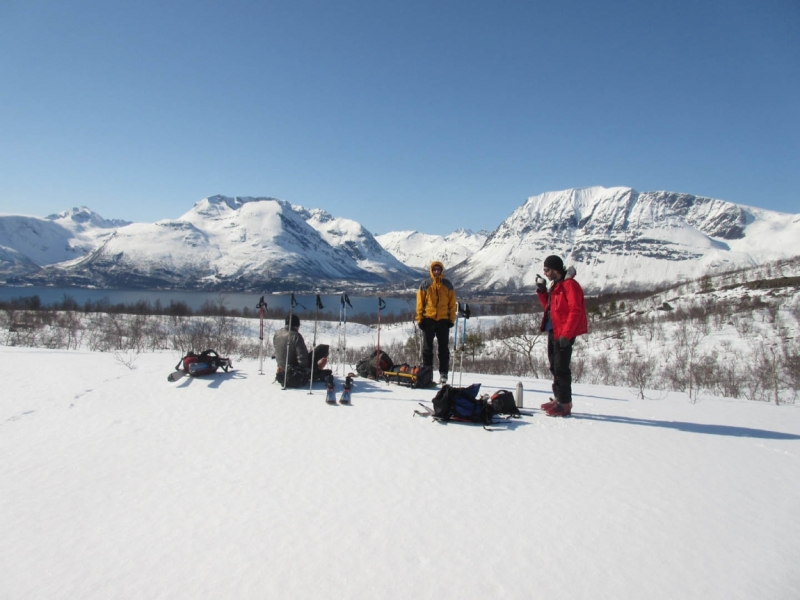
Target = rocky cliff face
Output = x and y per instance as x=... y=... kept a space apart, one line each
x=620 y=239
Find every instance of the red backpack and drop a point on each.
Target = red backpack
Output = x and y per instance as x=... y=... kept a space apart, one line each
x=205 y=363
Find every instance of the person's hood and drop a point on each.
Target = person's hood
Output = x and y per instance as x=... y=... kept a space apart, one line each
x=436 y=263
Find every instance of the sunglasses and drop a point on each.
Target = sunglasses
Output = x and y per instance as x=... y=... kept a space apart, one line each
x=436 y=269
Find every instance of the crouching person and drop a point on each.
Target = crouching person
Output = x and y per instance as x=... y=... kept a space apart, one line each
x=297 y=371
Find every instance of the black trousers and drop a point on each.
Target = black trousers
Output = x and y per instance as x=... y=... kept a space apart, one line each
x=300 y=376
x=441 y=331
x=559 y=366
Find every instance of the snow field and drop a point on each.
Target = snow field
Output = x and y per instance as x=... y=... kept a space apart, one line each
x=119 y=484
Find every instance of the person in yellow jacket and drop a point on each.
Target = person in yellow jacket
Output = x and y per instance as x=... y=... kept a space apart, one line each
x=436 y=314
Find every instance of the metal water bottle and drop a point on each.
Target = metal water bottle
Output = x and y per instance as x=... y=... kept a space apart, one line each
x=519 y=394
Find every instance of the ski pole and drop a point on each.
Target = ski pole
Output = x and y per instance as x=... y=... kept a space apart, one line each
x=465 y=313
x=416 y=338
x=345 y=304
x=455 y=331
x=339 y=334
x=378 y=371
x=261 y=306
x=314 y=345
x=292 y=304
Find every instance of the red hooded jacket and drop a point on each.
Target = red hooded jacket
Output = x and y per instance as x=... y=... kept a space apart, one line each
x=567 y=309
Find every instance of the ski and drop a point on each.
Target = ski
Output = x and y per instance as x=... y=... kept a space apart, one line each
x=426 y=412
x=175 y=375
x=330 y=394
x=348 y=384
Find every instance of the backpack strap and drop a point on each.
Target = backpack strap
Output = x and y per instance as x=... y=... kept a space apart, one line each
x=180 y=362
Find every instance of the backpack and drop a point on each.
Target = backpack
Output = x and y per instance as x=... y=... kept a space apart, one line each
x=503 y=403
x=461 y=404
x=366 y=366
x=424 y=375
x=205 y=363
x=405 y=374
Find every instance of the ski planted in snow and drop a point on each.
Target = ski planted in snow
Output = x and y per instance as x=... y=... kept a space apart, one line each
x=348 y=384
x=330 y=394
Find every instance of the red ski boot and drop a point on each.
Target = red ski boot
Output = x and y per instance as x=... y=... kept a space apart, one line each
x=548 y=405
x=560 y=410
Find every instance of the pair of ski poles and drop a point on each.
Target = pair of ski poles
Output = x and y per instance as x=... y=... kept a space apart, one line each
x=463 y=314
x=262 y=308
x=344 y=302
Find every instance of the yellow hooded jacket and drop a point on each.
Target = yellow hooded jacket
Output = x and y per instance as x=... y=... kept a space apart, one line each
x=436 y=298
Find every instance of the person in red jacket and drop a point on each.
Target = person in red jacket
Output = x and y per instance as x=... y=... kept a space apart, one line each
x=564 y=319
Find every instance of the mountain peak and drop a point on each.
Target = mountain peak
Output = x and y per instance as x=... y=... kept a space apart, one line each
x=626 y=240
x=85 y=217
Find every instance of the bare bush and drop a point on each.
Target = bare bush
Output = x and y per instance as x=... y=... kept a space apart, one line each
x=640 y=372
x=519 y=336
x=791 y=366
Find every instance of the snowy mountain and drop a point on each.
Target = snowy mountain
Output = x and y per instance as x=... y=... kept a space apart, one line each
x=29 y=243
x=623 y=240
x=357 y=242
x=82 y=220
x=417 y=249
x=618 y=238
x=222 y=243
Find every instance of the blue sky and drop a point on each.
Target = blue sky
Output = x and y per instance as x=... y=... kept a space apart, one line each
x=427 y=115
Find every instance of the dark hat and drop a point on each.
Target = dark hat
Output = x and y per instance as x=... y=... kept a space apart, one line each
x=554 y=262
x=295 y=321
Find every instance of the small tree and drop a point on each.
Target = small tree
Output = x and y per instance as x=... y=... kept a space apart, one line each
x=474 y=344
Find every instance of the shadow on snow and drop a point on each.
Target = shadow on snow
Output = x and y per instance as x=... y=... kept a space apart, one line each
x=728 y=430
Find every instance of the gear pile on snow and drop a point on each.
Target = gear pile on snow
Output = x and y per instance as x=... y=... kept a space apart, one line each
x=205 y=363
x=405 y=374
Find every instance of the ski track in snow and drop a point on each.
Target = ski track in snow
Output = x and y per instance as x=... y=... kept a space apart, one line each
x=119 y=484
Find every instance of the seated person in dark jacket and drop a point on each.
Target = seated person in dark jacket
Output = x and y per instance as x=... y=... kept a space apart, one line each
x=289 y=342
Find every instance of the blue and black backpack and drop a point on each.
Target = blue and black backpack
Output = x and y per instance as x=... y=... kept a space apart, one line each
x=462 y=404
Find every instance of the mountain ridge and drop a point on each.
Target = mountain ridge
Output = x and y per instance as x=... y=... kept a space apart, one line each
x=618 y=238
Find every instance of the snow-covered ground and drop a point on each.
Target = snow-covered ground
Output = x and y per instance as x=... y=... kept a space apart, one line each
x=118 y=484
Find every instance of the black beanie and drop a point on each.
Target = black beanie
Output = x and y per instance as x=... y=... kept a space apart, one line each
x=554 y=262
x=295 y=321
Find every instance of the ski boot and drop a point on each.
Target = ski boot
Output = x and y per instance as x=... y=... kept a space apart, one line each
x=330 y=395
x=560 y=410
x=348 y=384
x=548 y=405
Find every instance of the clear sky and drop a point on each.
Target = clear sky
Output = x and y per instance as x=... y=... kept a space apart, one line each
x=413 y=114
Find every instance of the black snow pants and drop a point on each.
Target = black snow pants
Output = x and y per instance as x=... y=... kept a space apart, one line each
x=559 y=366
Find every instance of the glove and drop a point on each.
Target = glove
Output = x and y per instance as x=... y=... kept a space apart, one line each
x=423 y=324
x=564 y=342
x=541 y=284
x=450 y=324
